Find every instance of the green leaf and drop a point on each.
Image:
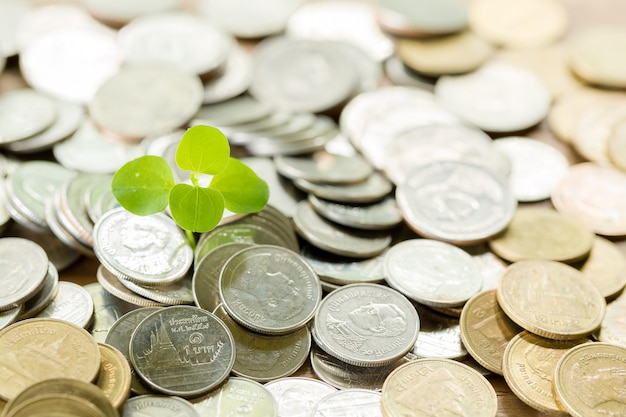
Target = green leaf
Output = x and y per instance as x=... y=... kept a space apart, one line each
x=142 y=186
x=243 y=190
x=196 y=208
x=203 y=149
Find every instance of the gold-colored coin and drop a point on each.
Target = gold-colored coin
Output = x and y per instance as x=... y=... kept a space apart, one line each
x=589 y=380
x=34 y=350
x=115 y=375
x=605 y=267
x=519 y=24
x=444 y=55
x=54 y=405
x=550 y=299
x=613 y=329
x=528 y=364
x=542 y=233
x=486 y=330
x=616 y=145
x=437 y=387
x=597 y=56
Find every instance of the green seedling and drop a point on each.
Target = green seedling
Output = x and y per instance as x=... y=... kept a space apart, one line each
x=146 y=185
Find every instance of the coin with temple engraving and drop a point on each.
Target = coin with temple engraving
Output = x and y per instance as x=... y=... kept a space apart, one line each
x=182 y=350
x=366 y=325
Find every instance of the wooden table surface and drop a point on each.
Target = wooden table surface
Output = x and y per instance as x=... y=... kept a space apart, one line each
x=583 y=13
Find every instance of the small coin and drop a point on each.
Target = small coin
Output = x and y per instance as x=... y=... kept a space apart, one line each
x=473 y=97
x=269 y=289
x=453 y=387
x=236 y=111
x=106 y=308
x=377 y=216
x=9 y=316
x=432 y=272
x=486 y=330
x=543 y=233
x=158 y=405
x=491 y=266
x=24 y=266
x=423 y=17
x=361 y=401
x=589 y=378
x=265 y=358
x=297 y=396
x=235 y=395
x=613 y=328
x=177 y=293
x=372 y=189
x=72 y=303
x=182 y=350
x=24 y=113
x=234 y=79
x=550 y=299
x=529 y=363
x=525 y=24
x=595 y=195
x=114 y=376
x=605 y=267
x=38 y=349
x=455 y=202
x=366 y=325
x=594 y=128
x=324 y=167
x=112 y=284
x=439 y=337
x=594 y=56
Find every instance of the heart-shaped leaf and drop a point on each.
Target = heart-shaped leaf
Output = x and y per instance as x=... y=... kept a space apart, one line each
x=203 y=149
x=196 y=209
x=241 y=187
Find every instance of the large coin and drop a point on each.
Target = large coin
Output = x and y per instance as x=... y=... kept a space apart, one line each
x=72 y=303
x=182 y=350
x=269 y=289
x=366 y=325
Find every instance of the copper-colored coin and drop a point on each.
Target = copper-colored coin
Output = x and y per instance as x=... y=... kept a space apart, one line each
x=38 y=349
x=115 y=376
x=486 y=330
x=550 y=299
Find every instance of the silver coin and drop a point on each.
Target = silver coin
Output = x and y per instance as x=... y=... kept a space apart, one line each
x=425 y=144
x=440 y=336
x=190 y=42
x=107 y=309
x=119 y=12
x=269 y=289
x=366 y=325
x=118 y=336
x=242 y=134
x=142 y=100
x=61 y=233
x=377 y=216
x=297 y=396
x=429 y=17
x=455 y=202
x=265 y=358
x=24 y=266
x=537 y=168
x=497 y=97
x=88 y=150
x=236 y=111
x=343 y=271
x=337 y=239
x=348 y=21
x=296 y=123
x=324 y=167
x=179 y=292
x=44 y=296
x=360 y=401
x=277 y=223
x=374 y=188
x=400 y=74
x=9 y=316
x=342 y=375
x=72 y=303
x=237 y=395
x=306 y=142
x=369 y=70
x=492 y=267
x=24 y=113
x=112 y=284
x=97 y=190
x=432 y=272
x=11 y=13
x=250 y=20
x=182 y=350
x=148 y=250
x=234 y=79
x=158 y=406
x=83 y=59
x=69 y=117
x=285 y=77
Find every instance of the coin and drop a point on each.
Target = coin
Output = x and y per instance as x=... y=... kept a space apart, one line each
x=455 y=202
x=486 y=330
x=148 y=250
x=264 y=358
x=616 y=143
x=106 y=308
x=594 y=195
x=452 y=386
x=182 y=350
x=422 y=18
x=37 y=349
x=529 y=363
x=236 y=111
x=269 y=289
x=543 y=233
x=439 y=336
x=234 y=79
x=360 y=401
x=25 y=267
x=432 y=272
x=588 y=379
x=372 y=189
x=114 y=376
x=117 y=13
x=605 y=267
x=11 y=12
x=297 y=396
x=24 y=113
x=237 y=394
x=471 y=97
x=594 y=127
x=593 y=56
x=57 y=404
x=366 y=325
x=400 y=74
x=158 y=405
x=613 y=329
x=112 y=284
x=550 y=299
x=324 y=167
x=377 y=216
x=9 y=316
x=491 y=266
x=72 y=303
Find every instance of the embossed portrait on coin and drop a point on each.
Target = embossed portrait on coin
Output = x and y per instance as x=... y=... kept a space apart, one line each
x=444 y=399
x=604 y=390
x=143 y=239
